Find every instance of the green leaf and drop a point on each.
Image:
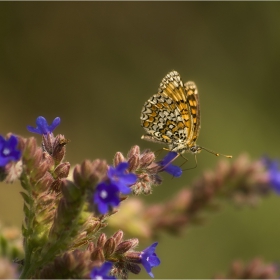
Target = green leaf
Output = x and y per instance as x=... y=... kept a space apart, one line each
x=26 y=210
x=27 y=199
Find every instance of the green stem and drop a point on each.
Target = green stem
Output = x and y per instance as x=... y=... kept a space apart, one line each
x=27 y=250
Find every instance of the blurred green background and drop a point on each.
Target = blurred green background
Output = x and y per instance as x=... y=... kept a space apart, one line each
x=94 y=64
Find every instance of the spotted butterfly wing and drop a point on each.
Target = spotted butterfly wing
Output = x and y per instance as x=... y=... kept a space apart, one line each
x=194 y=107
x=166 y=116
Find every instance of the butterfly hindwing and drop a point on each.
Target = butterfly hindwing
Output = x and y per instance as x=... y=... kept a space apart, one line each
x=194 y=105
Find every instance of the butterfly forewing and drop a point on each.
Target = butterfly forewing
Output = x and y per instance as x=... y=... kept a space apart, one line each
x=172 y=115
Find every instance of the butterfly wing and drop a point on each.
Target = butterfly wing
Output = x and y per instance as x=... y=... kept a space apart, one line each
x=172 y=85
x=194 y=105
x=159 y=118
x=165 y=116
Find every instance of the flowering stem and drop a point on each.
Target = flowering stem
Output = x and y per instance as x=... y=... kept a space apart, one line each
x=27 y=232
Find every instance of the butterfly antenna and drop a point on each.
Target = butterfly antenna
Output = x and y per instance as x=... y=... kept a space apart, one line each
x=216 y=154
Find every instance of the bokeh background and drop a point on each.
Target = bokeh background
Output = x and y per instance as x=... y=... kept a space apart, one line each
x=94 y=64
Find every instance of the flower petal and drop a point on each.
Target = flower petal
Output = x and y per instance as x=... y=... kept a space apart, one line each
x=169 y=158
x=123 y=188
x=43 y=127
x=149 y=258
x=129 y=179
x=170 y=168
x=154 y=260
x=122 y=167
x=147 y=267
x=174 y=170
x=102 y=272
x=274 y=173
x=54 y=124
x=151 y=249
x=33 y=129
x=106 y=267
x=102 y=207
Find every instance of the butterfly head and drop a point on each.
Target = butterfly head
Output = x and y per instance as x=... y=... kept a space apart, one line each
x=182 y=147
x=195 y=149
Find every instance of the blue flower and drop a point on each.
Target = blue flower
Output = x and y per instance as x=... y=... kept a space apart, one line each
x=121 y=179
x=174 y=170
x=43 y=127
x=102 y=272
x=8 y=150
x=149 y=258
x=274 y=173
x=106 y=195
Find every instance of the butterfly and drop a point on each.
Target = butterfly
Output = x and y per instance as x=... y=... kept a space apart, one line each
x=172 y=116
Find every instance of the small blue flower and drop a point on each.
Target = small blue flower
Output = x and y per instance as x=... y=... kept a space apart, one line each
x=106 y=195
x=274 y=173
x=43 y=127
x=174 y=170
x=121 y=179
x=149 y=258
x=8 y=150
x=102 y=272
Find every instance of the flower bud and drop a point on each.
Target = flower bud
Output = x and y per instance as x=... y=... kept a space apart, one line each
x=90 y=246
x=101 y=240
x=30 y=148
x=45 y=182
x=47 y=143
x=118 y=236
x=40 y=171
x=37 y=158
x=134 y=151
x=133 y=163
x=118 y=158
x=146 y=159
x=97 y=255
x=126 y=245
x=21 y=141
x=109 y=247
x=133 y=257
x=100 y=169
x=62 y=170
x=134 y=268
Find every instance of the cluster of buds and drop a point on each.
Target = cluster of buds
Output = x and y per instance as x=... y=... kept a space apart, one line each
x=118 y=251
x=82 y=264
x=255 y=269
x=243 y=181
x=146 y=168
